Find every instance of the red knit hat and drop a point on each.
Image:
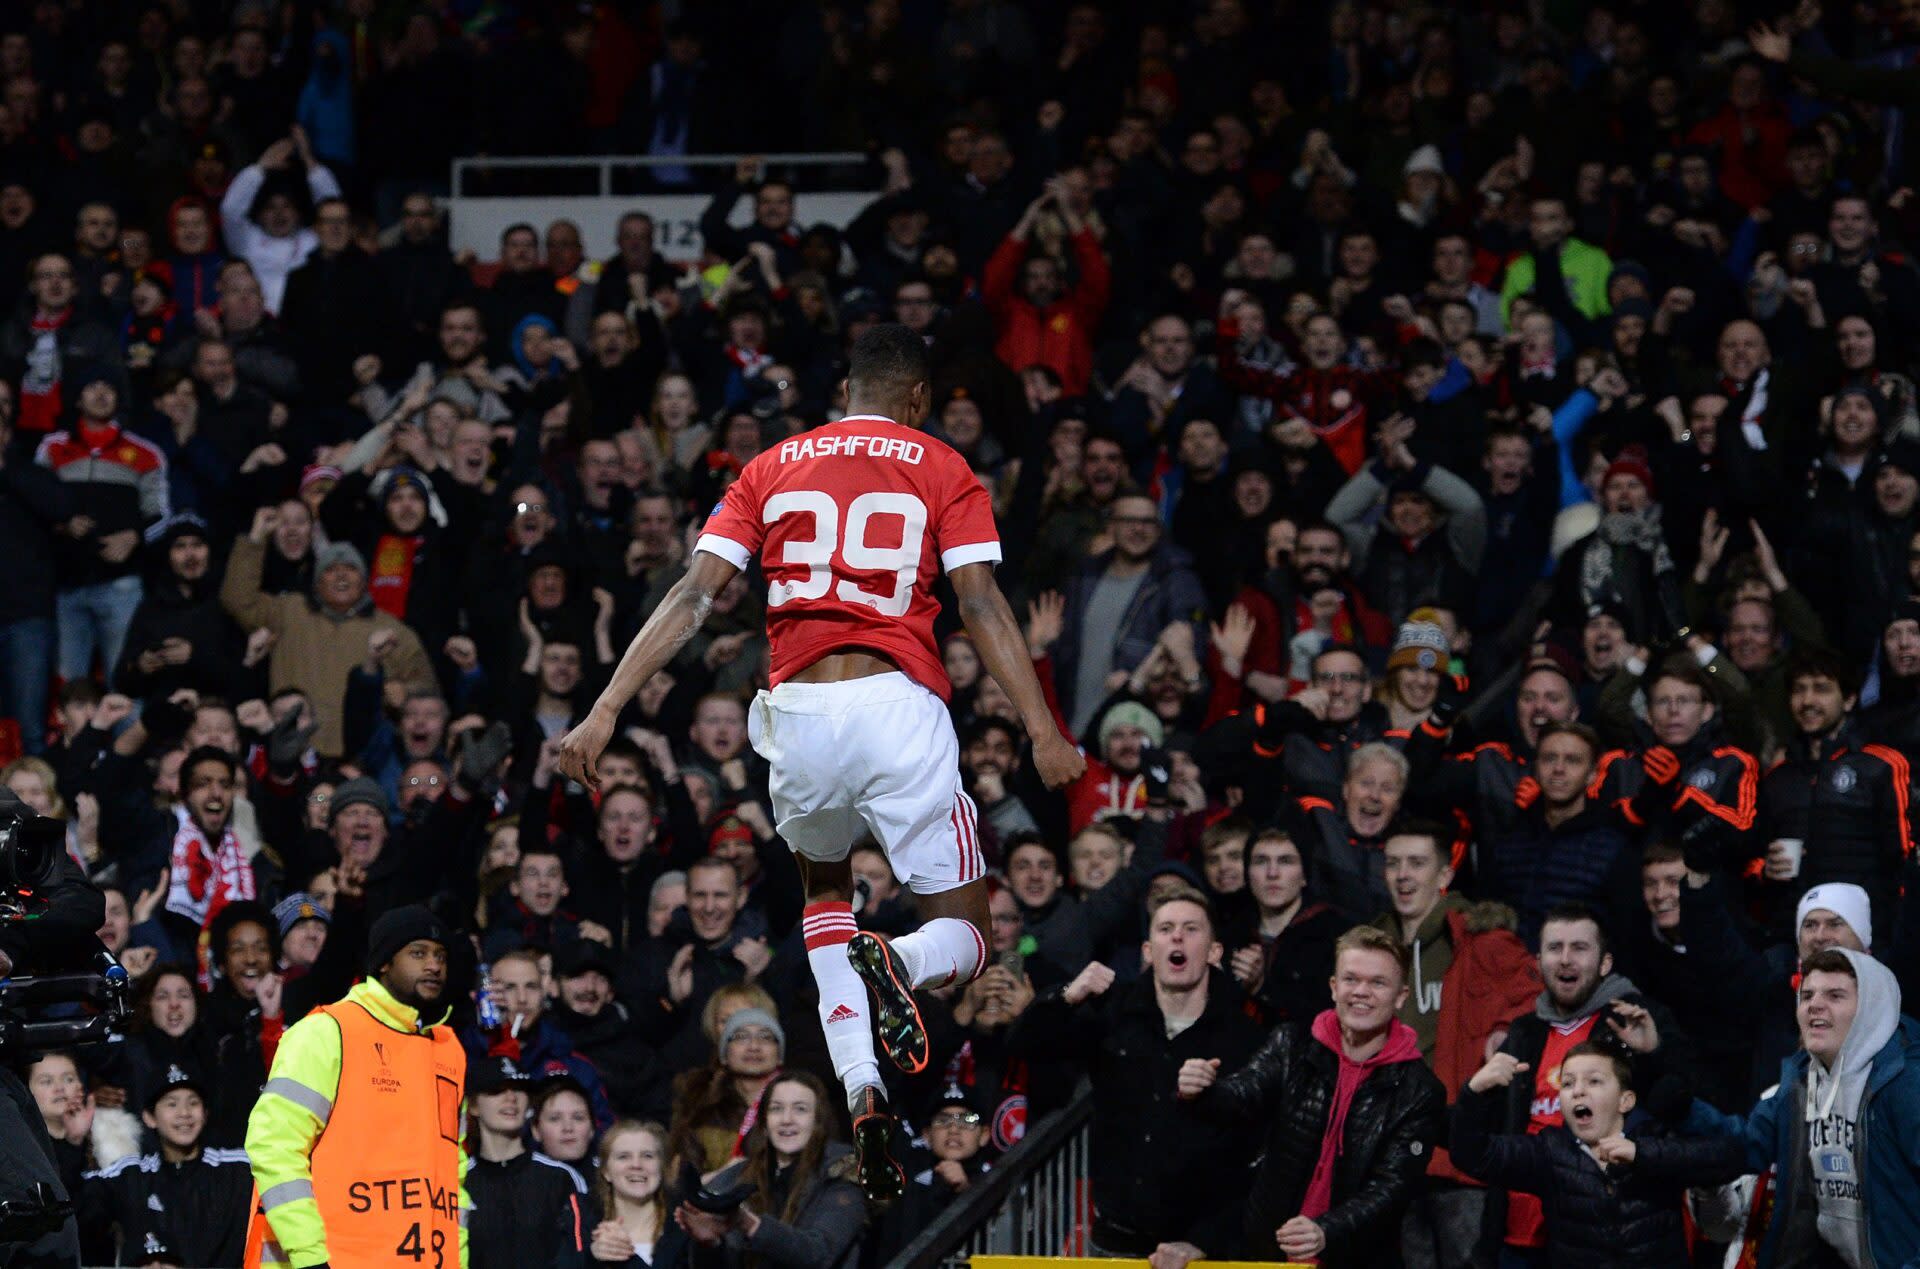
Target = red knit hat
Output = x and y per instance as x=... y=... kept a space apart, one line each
x=1631 y=461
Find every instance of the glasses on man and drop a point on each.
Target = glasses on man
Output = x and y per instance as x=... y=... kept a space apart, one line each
x=1676 y=702
x=1340 y=676
x=1133 y=520
x=423 y=782
x=957 y=1119
x=528 y=508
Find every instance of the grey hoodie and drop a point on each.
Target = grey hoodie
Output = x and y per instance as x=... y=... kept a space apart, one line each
x=1605 y=992
x=1833 y=1110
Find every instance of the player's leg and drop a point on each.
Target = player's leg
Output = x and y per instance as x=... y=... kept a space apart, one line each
x=931 y=837
x=827 y=927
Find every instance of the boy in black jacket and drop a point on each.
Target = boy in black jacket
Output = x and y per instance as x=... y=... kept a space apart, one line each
x=1611 y=1199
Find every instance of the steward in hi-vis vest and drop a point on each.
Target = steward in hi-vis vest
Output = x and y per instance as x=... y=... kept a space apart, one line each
x=355 y=1141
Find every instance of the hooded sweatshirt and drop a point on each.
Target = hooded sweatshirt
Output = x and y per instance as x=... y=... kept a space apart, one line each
x=1401 y=1046
x=1834 y=1096
x=1432 y=956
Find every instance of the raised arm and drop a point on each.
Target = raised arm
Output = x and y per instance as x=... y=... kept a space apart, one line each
x=677 y=619
x=1003 y=649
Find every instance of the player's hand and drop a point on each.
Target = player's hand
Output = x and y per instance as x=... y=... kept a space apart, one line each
x=580 y=751
x=1618 y=1148
x=1059 y=760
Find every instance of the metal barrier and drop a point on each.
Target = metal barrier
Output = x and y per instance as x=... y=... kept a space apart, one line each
x=606 y=165
x=1033 y=1202
x=595 y=191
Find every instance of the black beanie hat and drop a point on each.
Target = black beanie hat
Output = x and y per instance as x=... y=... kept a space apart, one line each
x=394 y=930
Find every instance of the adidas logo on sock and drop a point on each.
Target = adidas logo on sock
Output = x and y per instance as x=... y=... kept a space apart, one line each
x=841 y=1013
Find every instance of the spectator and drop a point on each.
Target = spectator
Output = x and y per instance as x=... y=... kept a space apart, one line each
x=1472 y=977
x=327 y=299
x=602 y=1029
x=1405 y=562
x=812 y=1215
x=1161 y=1185
x=1592 y=1218
x=527 y=1209
x=1688 y=783
x=1850 y=827
x=1119 y=604
x=1582 y=268
x=631 y=1194
x=118 y=488
x=1351 y=1113
x=1855 y=1039
x=528 y=1036
x=179 y=637
x=41 y=345
x=1043 y=320
x=34 y=506
x=261 y=215
x=1581 y=990
x=1285 y=955
x=319 y=641
x=1558 y=844
x=188 y=1195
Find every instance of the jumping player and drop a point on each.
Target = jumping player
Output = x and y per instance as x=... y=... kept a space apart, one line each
x=850 y=523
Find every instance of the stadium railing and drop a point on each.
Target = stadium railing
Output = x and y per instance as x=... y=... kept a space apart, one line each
x=1034 y=1202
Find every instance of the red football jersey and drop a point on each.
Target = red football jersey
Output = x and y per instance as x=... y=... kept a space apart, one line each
x=852 y=523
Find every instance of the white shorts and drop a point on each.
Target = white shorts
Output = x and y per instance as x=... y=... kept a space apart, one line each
x=873 y=755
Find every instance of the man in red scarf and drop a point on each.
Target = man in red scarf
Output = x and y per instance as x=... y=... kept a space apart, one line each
x=48 y=333
x=1352 y=1116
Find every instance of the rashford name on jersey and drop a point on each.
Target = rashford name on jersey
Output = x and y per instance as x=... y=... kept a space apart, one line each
x=850 y=446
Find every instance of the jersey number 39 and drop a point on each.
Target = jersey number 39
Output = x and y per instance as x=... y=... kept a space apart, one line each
x=849 y=539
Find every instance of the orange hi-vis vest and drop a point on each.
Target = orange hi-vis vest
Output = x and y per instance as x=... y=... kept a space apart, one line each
x=386 y=1168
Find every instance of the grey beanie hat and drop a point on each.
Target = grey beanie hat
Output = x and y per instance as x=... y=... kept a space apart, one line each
x=744 y=1018
x=357 y=792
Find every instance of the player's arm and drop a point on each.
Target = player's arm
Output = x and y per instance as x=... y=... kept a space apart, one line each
x=1003 y=649
x=677 y=619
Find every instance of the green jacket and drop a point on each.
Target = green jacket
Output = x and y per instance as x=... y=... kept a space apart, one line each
x=287 y=1121
x=1586 y=269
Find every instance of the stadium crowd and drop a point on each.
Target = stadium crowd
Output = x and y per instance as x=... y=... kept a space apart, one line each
x=1460 y=466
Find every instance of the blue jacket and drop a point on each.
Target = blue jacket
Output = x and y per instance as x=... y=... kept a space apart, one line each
x=325 y=108
x=547 y=1050
x=1776 y=1136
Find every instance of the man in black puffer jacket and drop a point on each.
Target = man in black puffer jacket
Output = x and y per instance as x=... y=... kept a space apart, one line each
x=1612 y=1201
x=1353 y=1116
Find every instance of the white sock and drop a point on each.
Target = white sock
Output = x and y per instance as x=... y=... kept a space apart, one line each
x=827 y=928
x=944 y=950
